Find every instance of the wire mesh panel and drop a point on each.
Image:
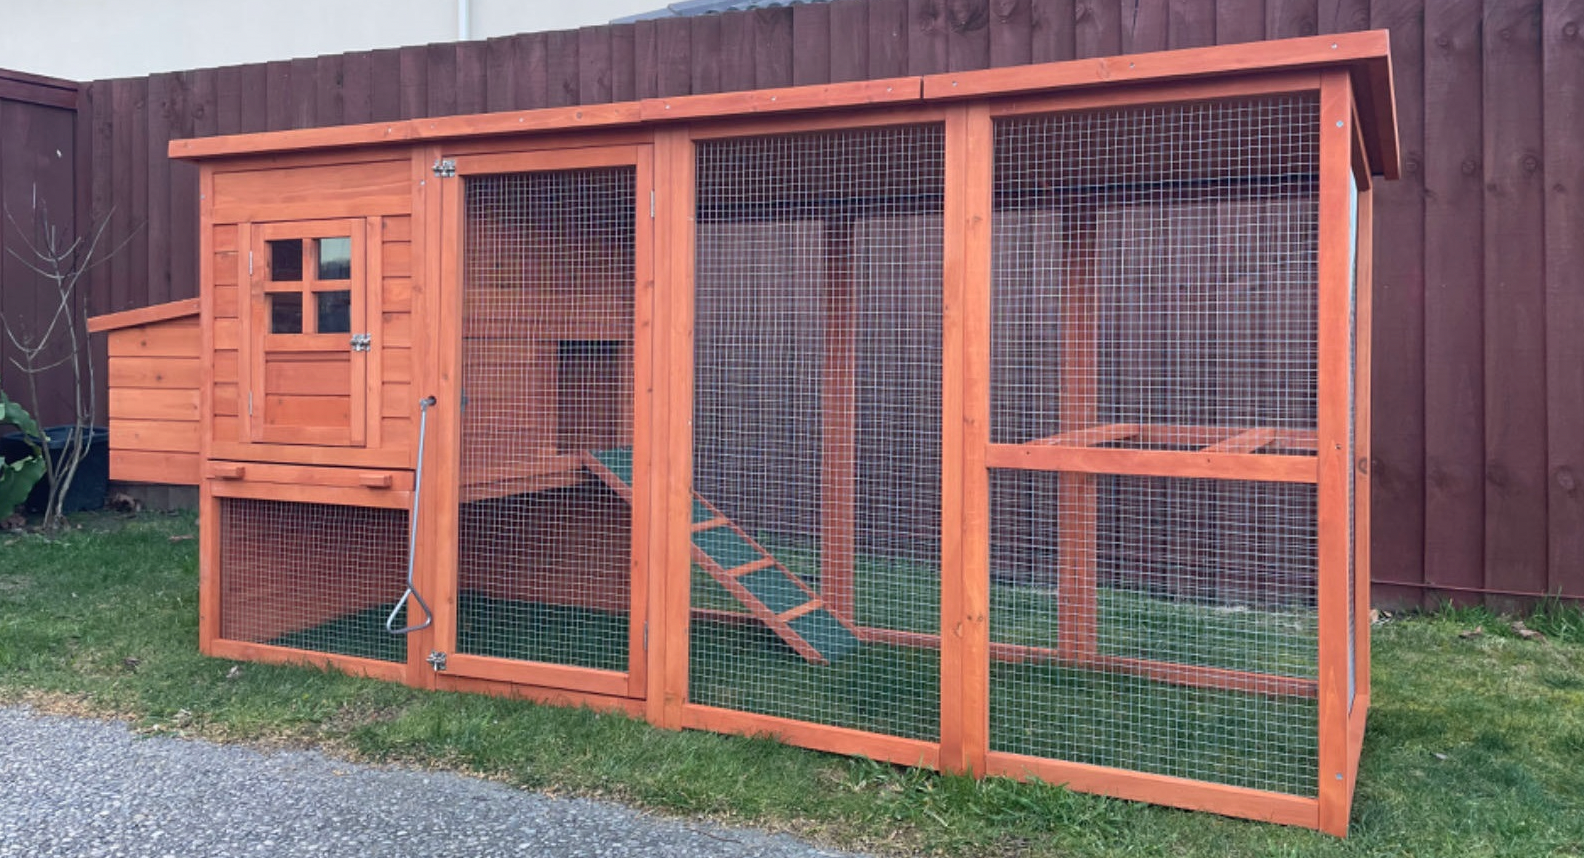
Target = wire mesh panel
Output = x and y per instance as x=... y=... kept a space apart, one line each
x=816 y=581
x=1154 y=287
x=545 y=523
x=1199 y=604
x=316 y=577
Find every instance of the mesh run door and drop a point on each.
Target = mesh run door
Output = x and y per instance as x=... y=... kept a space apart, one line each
x=547 y=588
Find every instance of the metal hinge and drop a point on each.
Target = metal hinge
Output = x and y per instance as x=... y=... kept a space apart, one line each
x=250 y=403
x=362 y=342
x=250 y=260
x=651 y=203
x=445 y=168
x=437 y=660
x=646 y=635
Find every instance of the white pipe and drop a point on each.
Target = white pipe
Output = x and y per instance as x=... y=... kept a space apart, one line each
x=463 y=33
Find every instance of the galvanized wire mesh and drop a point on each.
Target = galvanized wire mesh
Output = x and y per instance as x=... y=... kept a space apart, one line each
x=315 y=577
x=1154 y=288
x=1155 y=266
x=816 y=582
x=545 y=529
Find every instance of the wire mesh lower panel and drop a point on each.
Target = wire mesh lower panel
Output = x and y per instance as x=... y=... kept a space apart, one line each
x=315 y=577
x=1158 y=625
x=816 y=583
x=544 y=566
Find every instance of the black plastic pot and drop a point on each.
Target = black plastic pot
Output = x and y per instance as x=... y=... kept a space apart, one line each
x=93 y=473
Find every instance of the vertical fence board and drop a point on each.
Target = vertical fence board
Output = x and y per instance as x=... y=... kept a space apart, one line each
x=1147 y=31
x=1011 y=33
x=561 y=67
x=622 y=82
x=137 y=249
x=329 y=107
x=102 y=199
x=357 y=87
x=440 y=80
x=385 y=89
x=704 y=39
x=163 y=98
x=811 y=45
x=119 y=119
x=1287 y=19
x=594 y=65
x=772 y=47
x=849 y=41
x=1563 y=58
x=304 y=86
x=646 y=58
x=1454 y=392
x=1054 y=24
x=499 y=66
x=926 y=36
x=1515 y=421
x=967 y=35
x=1193 y=24
x=277 y=96
x=182 y=267
x=675 y=72
x=888 y=37
x=1239 y=21
x=737 y=51
x=530 y=77
x=1397 y=443
x=1097 y=28
x=471 y=84
x=1343 y=16
x=412 y=84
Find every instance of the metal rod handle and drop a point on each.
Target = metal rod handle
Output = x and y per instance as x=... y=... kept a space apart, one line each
x=412 y=535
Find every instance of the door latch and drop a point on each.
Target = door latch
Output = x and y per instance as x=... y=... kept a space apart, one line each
x=362 y=342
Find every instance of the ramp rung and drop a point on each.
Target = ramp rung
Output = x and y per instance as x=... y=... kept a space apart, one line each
x=808 y=607
x=755 y=566
x=711 y=524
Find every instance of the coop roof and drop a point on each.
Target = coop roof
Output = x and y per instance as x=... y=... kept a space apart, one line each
x=1366 y=56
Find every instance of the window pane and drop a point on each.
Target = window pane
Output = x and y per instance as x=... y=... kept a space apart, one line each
x=286 y=258
x=335 y=312
x=285 y=312
x=335 y=258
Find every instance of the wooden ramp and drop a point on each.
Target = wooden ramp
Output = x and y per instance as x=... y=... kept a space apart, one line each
x=775 y=596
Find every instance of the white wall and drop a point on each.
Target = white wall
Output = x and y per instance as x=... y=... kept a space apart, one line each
x=92 y=39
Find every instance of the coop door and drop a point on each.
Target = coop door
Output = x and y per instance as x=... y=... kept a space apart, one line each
x=548 y=587
x=308 y=335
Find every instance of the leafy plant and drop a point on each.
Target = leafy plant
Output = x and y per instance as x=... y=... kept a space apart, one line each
x=18 y=478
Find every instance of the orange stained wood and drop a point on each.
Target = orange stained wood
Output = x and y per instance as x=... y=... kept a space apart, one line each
x=1334 y=456
x=1153 y=463
x=317 y=191
x=1159 y=789
x=267 y=654
x=143 y=466
x=1366 y=55
x=838 y=417
x=187 y=307
x=819 y=737
x=1077 y=407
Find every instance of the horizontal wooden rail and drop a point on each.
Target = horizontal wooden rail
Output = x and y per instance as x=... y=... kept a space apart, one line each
x=1154 y=463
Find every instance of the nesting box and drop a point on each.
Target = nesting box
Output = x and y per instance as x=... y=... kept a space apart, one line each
x=1012 y=421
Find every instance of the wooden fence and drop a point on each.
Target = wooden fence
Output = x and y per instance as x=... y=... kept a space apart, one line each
x=1479 y=465
x=38 y=164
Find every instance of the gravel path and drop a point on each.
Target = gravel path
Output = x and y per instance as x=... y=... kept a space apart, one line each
x=72 y=787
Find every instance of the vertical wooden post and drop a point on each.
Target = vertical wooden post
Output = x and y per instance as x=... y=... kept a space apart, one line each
x=437 y=293
x=639 y=388
x=1335 y=459
x=965 y=435
x=838 y=416
x=674 y=296
x=208 y=509
x=1363 y=323
x=1077 y=630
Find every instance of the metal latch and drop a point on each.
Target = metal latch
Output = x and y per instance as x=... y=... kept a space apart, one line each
x=437 y=660
x=362 y=342
x=444 y=168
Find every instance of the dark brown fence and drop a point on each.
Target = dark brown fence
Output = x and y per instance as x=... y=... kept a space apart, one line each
x=1479 y=416
x=37 y=181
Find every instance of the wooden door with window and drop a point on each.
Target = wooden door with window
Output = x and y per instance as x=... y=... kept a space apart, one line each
x=308 y=333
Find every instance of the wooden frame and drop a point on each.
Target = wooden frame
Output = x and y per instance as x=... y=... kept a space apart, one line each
x=1349 y=74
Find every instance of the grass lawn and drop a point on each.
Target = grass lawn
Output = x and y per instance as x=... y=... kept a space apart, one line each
x=1476 y=745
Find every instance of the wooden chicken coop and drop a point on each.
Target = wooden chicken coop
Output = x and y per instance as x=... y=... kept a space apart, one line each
x=1013 y=422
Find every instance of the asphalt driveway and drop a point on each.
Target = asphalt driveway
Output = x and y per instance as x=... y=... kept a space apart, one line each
x=73 y=787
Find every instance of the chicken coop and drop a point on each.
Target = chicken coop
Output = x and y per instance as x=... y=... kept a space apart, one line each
x=1012 y=422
